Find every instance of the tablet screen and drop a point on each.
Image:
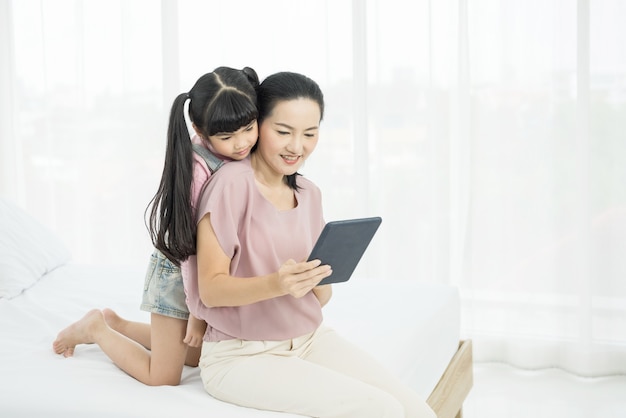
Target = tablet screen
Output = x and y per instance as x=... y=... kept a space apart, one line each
x=342 y=244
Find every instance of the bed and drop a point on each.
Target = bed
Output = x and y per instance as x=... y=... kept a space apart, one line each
x=42 y=291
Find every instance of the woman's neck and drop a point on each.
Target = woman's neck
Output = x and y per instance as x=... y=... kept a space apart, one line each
x=272 y=185
x=264 y=174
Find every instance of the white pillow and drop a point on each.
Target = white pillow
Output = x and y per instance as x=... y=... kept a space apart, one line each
x=28 y=250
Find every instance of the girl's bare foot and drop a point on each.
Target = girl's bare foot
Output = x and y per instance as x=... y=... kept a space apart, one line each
x=80 y=332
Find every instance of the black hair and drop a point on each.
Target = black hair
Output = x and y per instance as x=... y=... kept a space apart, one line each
x=285 y=86
x=220 y=101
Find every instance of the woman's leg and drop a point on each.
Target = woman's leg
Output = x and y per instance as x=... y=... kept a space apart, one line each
x=271 y=376
x=331 y=350
x=161 y=366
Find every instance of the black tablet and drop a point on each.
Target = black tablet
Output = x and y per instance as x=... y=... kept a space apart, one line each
x=342 y=244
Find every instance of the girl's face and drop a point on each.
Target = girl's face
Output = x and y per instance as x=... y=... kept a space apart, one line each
x=289 y=135
x=235 y=145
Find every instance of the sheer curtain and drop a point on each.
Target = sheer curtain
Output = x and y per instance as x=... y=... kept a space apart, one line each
x=489 y=135
x=543 y=263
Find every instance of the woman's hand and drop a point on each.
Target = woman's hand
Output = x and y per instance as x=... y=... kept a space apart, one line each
x=298 y=279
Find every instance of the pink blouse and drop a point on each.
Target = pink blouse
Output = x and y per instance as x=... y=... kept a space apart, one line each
x=259 y=239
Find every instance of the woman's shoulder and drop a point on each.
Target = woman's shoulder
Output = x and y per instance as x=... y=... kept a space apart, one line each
x=232 y=171
x=306 y=185
x=233 y=178
x=232 y=182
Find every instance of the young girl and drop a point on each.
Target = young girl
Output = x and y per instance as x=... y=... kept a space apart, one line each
x=222 y=109
x=265 y=346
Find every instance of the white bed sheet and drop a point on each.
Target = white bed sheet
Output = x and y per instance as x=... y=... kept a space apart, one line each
x=412 y=328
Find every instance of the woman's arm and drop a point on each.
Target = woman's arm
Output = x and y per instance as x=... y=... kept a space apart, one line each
x=323 y=293
x=218 y=288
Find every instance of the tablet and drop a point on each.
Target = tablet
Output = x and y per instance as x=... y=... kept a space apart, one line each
x=342 y=244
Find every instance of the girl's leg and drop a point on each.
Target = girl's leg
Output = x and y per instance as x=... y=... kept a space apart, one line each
x=271 y=376
x=330 y=350
x=137 y=331
x=162 y=366
x=140 y=332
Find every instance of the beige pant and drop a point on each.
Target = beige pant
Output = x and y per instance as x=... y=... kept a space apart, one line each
x=317 y=375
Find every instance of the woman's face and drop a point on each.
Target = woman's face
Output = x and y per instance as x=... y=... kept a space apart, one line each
x=235 y=145
x=289 y=134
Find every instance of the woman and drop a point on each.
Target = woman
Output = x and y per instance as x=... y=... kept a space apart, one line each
x=265 y=346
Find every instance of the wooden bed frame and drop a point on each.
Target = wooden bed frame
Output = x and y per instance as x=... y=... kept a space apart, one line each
x=454 y=386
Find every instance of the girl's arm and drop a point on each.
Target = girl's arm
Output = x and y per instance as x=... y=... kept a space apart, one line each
x=195 y=331
x=218 y=288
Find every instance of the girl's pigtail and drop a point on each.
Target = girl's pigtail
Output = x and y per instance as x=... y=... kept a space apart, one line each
x=171 y=222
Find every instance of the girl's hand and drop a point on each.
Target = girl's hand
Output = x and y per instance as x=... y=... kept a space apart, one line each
x=195 y=331
x=193 y=340
x=298 y=279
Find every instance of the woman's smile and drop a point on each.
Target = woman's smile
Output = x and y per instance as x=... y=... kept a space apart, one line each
x=291 y=159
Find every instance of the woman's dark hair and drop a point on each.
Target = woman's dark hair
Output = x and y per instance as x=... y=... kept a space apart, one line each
x=285 y=86
x=220 y=101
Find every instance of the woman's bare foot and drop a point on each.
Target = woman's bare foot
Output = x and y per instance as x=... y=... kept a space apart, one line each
x=80 y=332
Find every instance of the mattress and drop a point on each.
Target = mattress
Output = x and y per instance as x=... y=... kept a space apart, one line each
x=412 y=328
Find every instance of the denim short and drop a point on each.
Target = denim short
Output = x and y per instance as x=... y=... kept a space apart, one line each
x=163 y=291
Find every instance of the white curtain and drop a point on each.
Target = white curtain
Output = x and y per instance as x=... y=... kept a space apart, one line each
x=489 y=135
